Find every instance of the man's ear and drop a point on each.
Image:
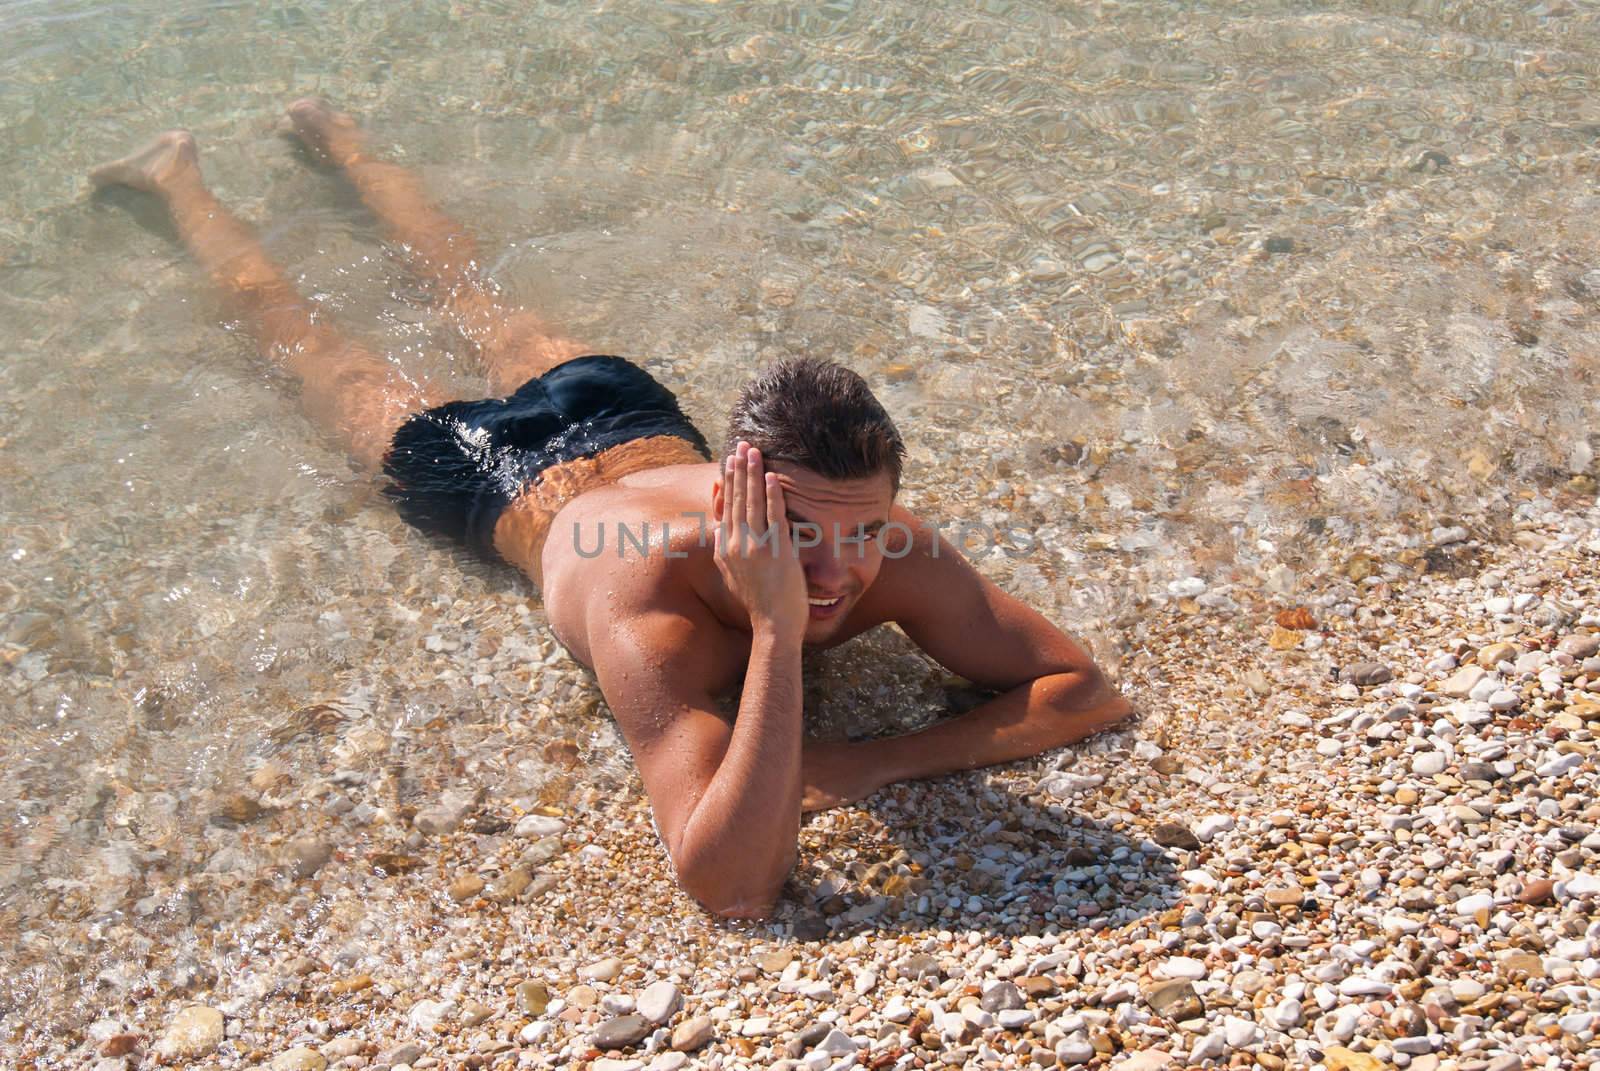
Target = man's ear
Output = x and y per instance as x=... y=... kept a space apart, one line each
x=716 y=501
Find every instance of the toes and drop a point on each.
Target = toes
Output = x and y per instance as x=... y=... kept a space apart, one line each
x=306 y=109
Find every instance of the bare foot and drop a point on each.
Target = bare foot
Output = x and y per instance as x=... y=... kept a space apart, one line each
x=330 y=135
x=153 y=167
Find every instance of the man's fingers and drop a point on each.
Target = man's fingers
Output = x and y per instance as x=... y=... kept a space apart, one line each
x=777 y=522
x=735 y=511
x=755 y=495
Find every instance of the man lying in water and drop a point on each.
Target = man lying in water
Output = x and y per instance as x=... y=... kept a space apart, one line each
x=808 y=547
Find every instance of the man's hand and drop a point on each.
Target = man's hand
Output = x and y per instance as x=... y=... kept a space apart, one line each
x=833 y=775
x=754 y=551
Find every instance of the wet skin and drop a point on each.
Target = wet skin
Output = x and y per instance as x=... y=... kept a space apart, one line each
x=699 y=617
x=671 y=632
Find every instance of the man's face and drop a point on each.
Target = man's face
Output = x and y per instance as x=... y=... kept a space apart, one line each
x=835 y=526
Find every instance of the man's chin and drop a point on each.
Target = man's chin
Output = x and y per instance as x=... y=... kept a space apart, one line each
x=820 y=628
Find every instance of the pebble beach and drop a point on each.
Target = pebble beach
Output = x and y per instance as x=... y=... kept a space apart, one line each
x=1274 y=324
x=1351 y=829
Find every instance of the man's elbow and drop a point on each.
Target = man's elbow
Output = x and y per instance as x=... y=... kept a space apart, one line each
x=1086 y=701
x=743 y=895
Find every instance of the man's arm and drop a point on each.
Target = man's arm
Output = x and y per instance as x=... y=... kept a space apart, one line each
x=726 y=798
x=1052 y=692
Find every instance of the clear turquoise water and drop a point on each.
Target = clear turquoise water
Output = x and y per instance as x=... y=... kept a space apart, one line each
x=1217 y=289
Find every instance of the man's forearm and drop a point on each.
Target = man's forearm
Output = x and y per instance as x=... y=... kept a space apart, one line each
x=739 y=843
x=1045 y=713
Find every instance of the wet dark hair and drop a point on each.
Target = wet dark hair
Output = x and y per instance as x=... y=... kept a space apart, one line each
x=821 y=416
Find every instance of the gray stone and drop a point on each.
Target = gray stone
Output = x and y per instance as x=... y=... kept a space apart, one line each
x=623 y=1032
x=447 y=815
x=812 y=1034
x=406 y=1053
x=1003 y=996
x=1366 y=674
x=836 y=1043
x=307 y=855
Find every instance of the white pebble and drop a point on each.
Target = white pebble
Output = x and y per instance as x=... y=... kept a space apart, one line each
x=1505 y=699
x=1180 y=967
x=1428 y=763
x=1287 y=1015
x=539 y=825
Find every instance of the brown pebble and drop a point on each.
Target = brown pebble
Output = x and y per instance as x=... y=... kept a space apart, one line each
x=354 y=984
x=465 y=887
x=1537 y=891
x=120 y=1044
x=691 y=1034
x=236 y=808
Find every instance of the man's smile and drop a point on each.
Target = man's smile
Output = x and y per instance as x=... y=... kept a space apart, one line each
x=824 y=606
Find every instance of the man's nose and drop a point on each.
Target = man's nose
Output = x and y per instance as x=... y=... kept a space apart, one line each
x=823 y=568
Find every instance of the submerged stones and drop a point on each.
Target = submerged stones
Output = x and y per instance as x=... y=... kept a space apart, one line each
x=1351 y=864
x=307 y=855
x=192 y=1033
x=447 y=814
x=300 y=1058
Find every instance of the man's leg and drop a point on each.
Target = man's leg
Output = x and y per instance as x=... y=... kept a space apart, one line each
x=346 y=388
x=515 y=344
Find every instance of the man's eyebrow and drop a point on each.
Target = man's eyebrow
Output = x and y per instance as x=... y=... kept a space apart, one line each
x=795 y=518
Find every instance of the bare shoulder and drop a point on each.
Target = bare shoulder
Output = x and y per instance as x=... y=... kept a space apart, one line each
x=915 y=558
x=955 y=613
x=646 y=627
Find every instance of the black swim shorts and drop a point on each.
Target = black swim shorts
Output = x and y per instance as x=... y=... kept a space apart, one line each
x=455 y=468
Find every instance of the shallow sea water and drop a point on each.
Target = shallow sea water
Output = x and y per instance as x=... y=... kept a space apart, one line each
x=1179 y=289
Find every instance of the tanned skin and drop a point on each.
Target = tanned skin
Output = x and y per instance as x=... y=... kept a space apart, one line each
x=668 y=636
x=717 y=609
